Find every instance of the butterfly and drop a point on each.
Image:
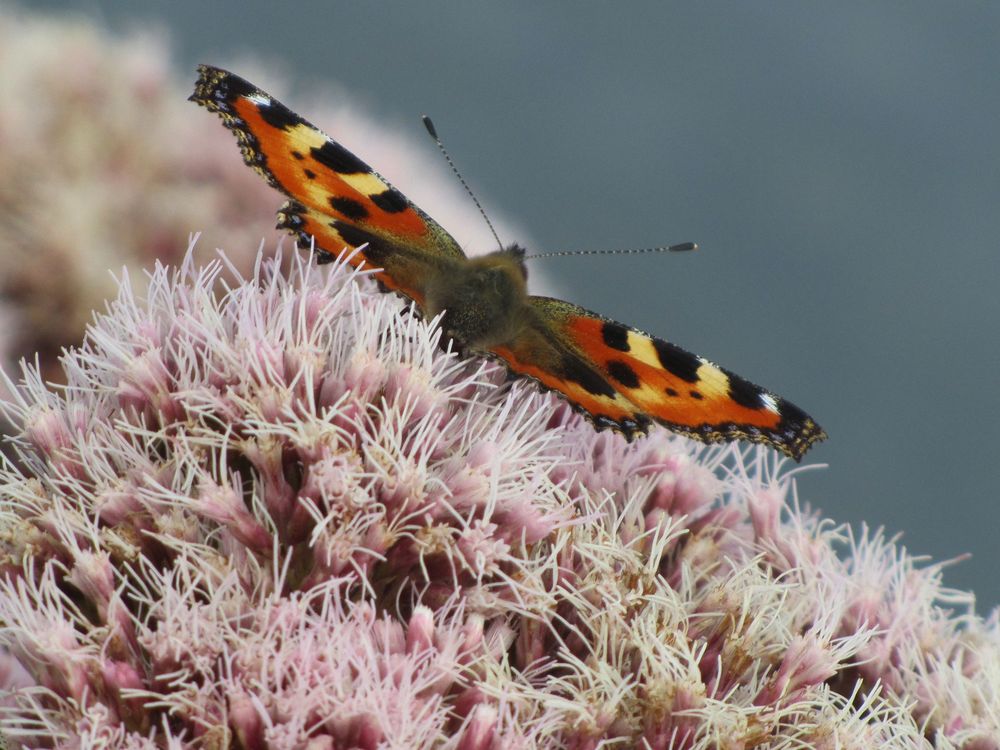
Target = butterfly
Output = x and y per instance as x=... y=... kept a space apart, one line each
x=618 y=377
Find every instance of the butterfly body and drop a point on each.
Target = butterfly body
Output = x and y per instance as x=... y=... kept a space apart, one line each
x=617 y=376
x=483 y=301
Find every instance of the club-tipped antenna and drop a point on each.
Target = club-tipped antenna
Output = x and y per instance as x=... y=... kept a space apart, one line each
x=681 y=248
x=433 y=133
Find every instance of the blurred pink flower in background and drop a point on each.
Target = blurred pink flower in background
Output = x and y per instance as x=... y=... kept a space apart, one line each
x=104 y=163
x=286 y=518
x=101 y=164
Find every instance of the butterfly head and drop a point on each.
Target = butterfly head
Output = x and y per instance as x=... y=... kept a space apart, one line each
x=482 y=299
x=516 y=253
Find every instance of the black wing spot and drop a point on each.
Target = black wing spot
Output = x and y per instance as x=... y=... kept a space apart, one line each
x=278 y=116
x=745 y=393
x=339 y=159
x=391 y=201
x=377 y=249
x=297 y=155
x=671 y=392
x=677 y=361
x=624 y=374
x=310 y=175
x=348 y=207
x=579 y=372
x=695 y=395
x=615 y=335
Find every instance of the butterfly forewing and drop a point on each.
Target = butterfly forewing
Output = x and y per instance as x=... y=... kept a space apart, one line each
x=313 y=169
x=398 y=268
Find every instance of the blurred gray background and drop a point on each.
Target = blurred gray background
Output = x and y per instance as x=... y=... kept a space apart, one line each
x=838 y=163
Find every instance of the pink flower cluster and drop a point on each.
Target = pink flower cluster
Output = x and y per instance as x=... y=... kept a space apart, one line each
x=286 y=517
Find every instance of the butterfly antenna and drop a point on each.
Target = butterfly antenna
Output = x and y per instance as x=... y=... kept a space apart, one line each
x=433 y=133
x=681 y=248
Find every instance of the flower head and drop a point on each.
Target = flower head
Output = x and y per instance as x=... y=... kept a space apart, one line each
x=289 y=516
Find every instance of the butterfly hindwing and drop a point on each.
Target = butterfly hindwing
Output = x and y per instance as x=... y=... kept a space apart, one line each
x=623 y=378
x=397 y=268
x=335 y=196
x=559 y=366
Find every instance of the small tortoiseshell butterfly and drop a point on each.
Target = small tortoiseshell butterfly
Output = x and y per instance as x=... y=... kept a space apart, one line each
x=620 y=378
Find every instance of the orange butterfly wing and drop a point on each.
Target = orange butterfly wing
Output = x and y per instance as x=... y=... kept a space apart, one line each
x=623 y=379
x=336 y=197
